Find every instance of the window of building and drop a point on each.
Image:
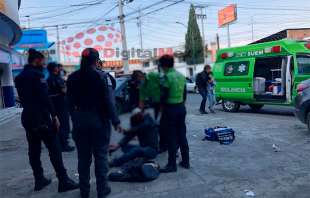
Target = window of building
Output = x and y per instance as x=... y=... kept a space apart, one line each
x=146 y=64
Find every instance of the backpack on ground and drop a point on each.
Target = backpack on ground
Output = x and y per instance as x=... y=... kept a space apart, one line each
x=223 y=135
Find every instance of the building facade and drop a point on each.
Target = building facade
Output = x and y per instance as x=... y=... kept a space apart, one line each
x=10 y=33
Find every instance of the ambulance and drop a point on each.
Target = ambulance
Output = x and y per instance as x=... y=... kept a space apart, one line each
x=261 y=74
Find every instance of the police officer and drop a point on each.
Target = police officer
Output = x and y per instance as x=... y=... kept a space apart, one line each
x=40 y=122
x=173 y=116
x=92 y=110
x=57 y=91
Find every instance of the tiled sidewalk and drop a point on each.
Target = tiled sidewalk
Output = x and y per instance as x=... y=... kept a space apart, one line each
x=8 y=114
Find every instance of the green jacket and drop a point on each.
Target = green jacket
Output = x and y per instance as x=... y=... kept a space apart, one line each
x=175 y=82
x=150 y=89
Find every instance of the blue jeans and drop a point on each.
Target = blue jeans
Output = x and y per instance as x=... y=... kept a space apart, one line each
x=204 y=95
x=134 y=151
x=211 y=99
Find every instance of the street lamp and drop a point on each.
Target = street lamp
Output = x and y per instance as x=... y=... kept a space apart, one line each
x=177 y=22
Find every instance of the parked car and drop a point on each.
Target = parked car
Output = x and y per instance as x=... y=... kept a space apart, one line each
x=122 y=94
x=191 y=86
x=302 y=103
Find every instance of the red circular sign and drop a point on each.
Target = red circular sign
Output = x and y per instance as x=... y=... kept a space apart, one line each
x=110 y=35
x=76 y=45
x=79 y=35
x=70 y=39
x=91 y=31
x=98 y=47
x=76 y=54
x=103 y=28
x=100 y=38
x=88 y=42
x=108 y=44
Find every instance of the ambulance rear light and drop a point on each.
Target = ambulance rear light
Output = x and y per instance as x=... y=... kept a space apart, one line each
x=307 y=45
x=274 y=49
x=227 y=55
x=302 y=87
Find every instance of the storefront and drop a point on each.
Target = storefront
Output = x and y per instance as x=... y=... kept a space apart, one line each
x=10 y=34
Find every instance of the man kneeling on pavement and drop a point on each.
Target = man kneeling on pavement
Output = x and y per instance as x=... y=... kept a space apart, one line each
x=145 y=128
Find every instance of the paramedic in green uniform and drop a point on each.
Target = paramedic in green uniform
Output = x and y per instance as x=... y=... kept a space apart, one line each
x=173 y=96
x=150 y=90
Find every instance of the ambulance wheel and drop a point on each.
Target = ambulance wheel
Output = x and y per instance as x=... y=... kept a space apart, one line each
x=256 y=107
x=230 y=106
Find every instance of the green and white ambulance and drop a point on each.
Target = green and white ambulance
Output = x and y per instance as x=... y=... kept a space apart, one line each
x=259 y=74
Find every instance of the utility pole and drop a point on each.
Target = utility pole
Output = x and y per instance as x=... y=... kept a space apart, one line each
x=139 y=24
x=28 y=21
x=58 y=43
x=217 y=41
x=202 y=16
x=228 y=36
x=123 y=33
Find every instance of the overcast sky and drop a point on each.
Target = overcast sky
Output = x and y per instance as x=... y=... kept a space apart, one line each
x=159 y=28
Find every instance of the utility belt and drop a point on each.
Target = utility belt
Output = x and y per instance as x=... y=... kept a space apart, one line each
x=91 y=111
x=86 y=109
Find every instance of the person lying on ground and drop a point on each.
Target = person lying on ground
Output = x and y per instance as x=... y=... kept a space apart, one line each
x=145 y=128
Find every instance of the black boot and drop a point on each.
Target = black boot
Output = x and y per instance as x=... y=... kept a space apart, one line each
x=84 y=194
x=67 y=185
x=41 y=183
x=106 y=191
x=168 y=169
x=185 y=165
x=203 y=111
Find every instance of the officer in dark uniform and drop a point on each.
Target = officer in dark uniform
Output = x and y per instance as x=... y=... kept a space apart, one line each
x=40 y=122
x=173 y=115
x=92 y=110
x=57 y=91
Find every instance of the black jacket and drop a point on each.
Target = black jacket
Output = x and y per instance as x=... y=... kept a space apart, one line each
x=202 y=80
x=89 y=91
x=33 y=93
x=56 y=89
x=147 y=133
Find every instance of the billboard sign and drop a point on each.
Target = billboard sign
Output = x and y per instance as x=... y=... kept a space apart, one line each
x=227 y=15
x=33 y=38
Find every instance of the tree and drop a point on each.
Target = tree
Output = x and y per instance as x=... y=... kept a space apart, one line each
x=193 y=40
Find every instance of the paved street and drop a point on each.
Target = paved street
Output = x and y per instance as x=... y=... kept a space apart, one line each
x=218 y=171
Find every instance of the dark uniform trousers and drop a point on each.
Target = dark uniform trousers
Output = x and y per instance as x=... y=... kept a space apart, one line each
x=173 y=121
x=64 y=129
x=50 y=139
x=91 y=134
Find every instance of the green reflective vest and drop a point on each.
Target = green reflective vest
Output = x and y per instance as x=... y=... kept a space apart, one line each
x=175 y=82
x=151 y=87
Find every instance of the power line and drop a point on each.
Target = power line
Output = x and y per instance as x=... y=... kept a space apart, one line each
x=67 y=12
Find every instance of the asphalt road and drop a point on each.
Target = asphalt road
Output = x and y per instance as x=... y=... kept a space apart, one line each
x=249 y=164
